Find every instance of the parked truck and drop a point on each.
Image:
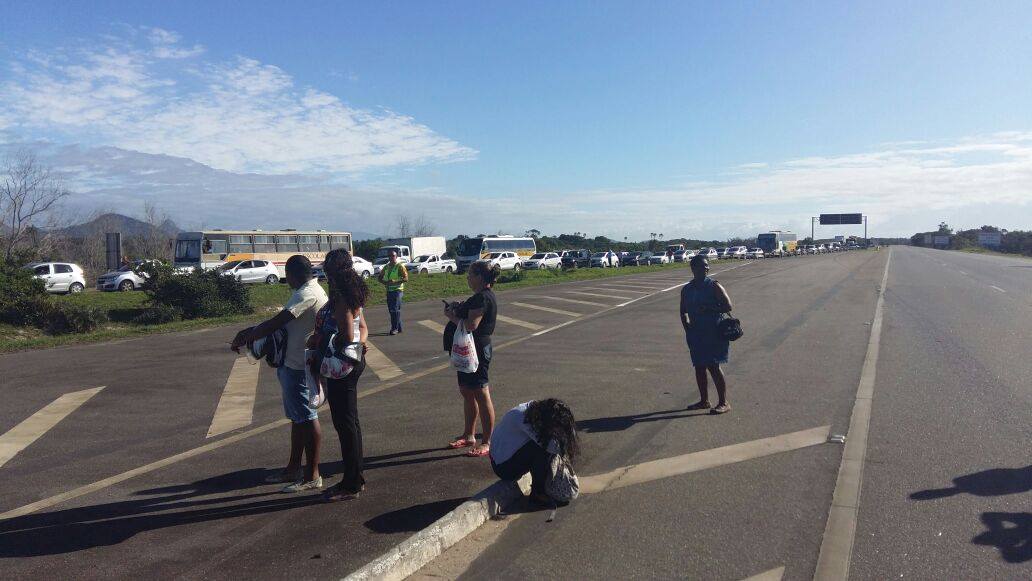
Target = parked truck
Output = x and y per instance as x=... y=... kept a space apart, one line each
x=409 y=248
x=431 y=264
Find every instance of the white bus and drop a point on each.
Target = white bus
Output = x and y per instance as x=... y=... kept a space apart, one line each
x=474 y=249
x=213 y=248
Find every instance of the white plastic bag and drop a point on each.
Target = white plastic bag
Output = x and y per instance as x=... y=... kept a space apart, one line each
x=464 y=351
x=318 y=396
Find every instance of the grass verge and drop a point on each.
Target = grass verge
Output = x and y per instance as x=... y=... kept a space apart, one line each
x=122 y=307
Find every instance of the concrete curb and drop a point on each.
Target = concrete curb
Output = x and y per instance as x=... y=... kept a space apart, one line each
x=416 y=551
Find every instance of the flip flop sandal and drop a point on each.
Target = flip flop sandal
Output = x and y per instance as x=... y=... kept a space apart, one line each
x=702 y=405
x=462 y=443
x=479 y=452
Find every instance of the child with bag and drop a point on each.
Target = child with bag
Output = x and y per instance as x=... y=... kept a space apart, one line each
x=472 y=323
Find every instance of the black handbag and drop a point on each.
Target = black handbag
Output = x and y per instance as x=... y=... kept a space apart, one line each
x=730 y=329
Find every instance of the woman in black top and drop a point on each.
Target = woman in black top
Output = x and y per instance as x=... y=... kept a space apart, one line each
x=478 y=314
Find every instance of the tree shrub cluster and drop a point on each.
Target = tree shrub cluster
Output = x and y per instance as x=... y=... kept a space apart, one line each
x=25 y=303
x=1013 y=242
x=196 y=294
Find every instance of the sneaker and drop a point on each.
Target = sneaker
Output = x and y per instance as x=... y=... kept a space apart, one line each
x=393 y=332
x=282 y=477
x=301 y=486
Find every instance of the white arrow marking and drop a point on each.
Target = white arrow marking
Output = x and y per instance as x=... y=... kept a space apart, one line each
x=32 y=428
x=236 y=407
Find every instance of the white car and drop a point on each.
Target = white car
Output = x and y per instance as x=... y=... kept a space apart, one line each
x=604 y=259
x=659 y=258
x=251 y=271
x=755 y=253
x=683 y=255
x=543 y=260
x=739 y=252
x=505 y=260
x=363 y=267
x=709 y=253
x=725 y=252
x=124 y=279
x=59 y=277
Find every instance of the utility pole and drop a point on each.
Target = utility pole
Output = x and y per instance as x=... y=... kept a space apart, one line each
x=812 y=218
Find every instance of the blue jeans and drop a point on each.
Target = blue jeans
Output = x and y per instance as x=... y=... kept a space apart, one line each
x=297 y=397
x=394 y=308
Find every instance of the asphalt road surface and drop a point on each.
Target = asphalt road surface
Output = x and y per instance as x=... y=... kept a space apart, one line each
x=159 y=473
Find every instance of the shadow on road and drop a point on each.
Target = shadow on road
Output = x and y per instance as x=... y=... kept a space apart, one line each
x=993 y=482
x=620 y=423
x=1010 y=532
x=412 y=518
x=76 y=529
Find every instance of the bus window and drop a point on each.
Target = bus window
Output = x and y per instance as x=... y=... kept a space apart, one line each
x=286 y=243
x=238 y=244
x=309 y=243
x=324 y=242
x=264 y=243
x=188 y=250
x=340 y=242
x=215 y=246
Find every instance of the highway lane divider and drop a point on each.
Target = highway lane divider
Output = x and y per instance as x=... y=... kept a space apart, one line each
x=236 y=406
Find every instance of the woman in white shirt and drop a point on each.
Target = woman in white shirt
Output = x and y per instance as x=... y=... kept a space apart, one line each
x=526 y=439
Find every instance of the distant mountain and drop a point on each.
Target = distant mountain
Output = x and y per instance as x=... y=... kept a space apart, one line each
x=116 y=223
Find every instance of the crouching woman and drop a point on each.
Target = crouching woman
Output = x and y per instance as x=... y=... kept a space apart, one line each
x=528 y=437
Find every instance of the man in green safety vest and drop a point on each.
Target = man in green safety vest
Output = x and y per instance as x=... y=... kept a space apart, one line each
x=394 y=276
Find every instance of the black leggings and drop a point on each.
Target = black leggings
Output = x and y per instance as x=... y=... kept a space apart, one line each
x=530 y=458
x=342 y=395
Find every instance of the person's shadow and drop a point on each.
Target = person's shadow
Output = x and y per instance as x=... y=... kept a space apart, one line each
x=993 y=482
x=620 y=423
x=1011 y=532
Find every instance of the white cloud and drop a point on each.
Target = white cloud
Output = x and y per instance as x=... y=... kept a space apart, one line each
x=898 y=189
x=240 y=115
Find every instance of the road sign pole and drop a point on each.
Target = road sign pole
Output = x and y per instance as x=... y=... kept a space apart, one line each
x=865 y=228
x=812 y=218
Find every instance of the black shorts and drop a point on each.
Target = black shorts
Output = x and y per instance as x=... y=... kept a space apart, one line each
x=478 y=379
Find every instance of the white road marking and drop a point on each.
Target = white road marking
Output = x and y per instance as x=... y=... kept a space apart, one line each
x=33 y=427
x=236 y=406
x=621 y=289
x=994 y=287
x=432 y=325
x=573 y=301
x=840 y=530
x=772 y=575
x=524 y=324
x=687 y=463
x=962 y=272
x=597 y=295
x=381 y=365
x=546 y=309
x=643 y=284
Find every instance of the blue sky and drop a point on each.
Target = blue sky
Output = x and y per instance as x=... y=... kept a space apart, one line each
x=705 y=120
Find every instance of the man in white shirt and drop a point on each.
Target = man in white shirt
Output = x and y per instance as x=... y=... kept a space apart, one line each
x=298 y=318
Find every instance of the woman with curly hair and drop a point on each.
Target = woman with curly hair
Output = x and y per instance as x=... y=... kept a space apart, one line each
x=343 y=316
x=527 y=438
x=478 y=313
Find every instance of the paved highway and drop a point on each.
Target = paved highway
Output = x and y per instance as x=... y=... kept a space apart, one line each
x=159 y=472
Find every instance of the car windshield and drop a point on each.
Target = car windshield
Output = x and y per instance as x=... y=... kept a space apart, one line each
x=538 y=256
x=495 y=255
x=598 y=255
x=230 y=265
x=422 y=258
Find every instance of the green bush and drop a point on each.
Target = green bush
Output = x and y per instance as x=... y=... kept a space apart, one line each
x=197 y=294
x=158 y=315
x=72 y=318
x=23 y=297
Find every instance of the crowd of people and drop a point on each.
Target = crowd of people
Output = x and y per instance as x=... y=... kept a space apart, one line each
x=317 y=342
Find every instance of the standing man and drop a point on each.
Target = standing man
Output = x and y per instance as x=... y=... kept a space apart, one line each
x=298 y=317
x=394 y=275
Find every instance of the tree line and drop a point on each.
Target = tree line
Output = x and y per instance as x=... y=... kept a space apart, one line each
x=1011 y=242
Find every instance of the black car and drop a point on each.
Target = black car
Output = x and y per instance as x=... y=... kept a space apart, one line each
x=576 y=259
x=635 y=259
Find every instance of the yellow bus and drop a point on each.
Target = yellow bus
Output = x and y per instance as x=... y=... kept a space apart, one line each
x=213 y=248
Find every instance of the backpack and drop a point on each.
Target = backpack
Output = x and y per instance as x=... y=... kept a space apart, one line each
x=273 y=348
x=562 y=485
